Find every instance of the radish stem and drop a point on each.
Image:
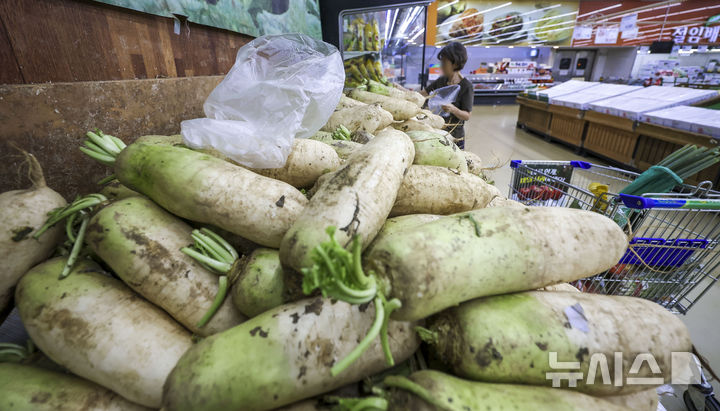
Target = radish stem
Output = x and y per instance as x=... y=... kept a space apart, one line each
x=70 y=227
x=79 y=204
x=217 y=256
x=77 y=244
x=106 y=180
x=338 y=274
x=230 y=249
x=215 y=265
x=474 y=222
x=80 y=207
x=102 y=147
x=390 y=306
x=10 y=350
x=365 y=343
x=217 y=302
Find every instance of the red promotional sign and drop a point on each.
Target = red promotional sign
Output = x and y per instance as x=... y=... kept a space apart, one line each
x=690 y=22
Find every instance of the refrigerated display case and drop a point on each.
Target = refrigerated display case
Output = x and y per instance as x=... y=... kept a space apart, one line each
x=507 y=81
x=375 y=41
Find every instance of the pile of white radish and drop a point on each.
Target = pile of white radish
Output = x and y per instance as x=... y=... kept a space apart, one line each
x=312 y=286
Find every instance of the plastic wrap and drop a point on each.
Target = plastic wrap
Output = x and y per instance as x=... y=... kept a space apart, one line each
x=280 y=88
x=442 y=96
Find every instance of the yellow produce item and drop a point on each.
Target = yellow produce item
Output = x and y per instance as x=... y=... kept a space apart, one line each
x=371 y=70
x=600 y=191
x=369 y=35
x=376 y=35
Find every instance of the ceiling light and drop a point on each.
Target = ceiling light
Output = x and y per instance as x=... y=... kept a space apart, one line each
x=418 y=34
x=480 y=12
x=598 y=11
x=447 y=5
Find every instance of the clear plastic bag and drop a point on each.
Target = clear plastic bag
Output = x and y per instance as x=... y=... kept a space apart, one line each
x=442 y=96
x=280 y=88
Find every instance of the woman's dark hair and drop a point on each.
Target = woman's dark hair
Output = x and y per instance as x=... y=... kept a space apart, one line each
x=454 y=53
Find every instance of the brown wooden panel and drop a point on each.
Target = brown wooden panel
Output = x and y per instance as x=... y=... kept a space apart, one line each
x=674 y=135
x=569 y=129
x=610 y=120
x=566 y=111
x=73 y=40
x=611 y=142
x=534 y=118
x=50 y=120
x=9 y=70
x=711 y=174
x=532 y=103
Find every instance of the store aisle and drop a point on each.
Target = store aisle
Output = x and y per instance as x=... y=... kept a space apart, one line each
x=491 y=134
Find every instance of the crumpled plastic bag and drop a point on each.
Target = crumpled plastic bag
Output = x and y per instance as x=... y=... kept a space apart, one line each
x=442 y=96
x=281 y=87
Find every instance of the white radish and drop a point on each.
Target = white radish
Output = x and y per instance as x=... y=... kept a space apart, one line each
x=99 y=329
x=22 y=213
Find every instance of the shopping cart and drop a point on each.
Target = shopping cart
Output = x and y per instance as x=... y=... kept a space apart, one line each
x=673 y=256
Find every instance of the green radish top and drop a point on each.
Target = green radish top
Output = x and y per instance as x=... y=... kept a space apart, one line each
x=338 y=274
x=16 y=353
x=217 y=256
x=76 y=215
x=377 y=87
x=102 y=147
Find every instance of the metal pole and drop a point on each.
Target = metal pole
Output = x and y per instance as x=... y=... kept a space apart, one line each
x=423 y=81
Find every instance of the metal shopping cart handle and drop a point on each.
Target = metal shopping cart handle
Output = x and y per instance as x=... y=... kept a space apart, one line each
x=642 y=203
x=575 y=163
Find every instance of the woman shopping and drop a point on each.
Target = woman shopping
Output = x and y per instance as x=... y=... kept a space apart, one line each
x=452 y=59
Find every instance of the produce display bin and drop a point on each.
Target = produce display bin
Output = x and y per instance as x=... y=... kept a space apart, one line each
x=567 y=87
x=534 y=115
x=611 y=137
x=567 y=125
x=583 y=98
x=671 y=258
x=656 y=142
x=698 y=120
x=632 y=105
x=374 y=41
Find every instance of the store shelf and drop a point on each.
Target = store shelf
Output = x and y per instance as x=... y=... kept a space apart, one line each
x=497 y=92
x=500 y=76
x=347 y=55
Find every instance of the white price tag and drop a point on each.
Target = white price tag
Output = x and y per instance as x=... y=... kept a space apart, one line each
x=607 y=35
x=629 y=34
x=583 y=32
x=629 y=22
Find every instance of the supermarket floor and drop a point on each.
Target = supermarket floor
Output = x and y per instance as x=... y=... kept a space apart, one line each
x=491 y=133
